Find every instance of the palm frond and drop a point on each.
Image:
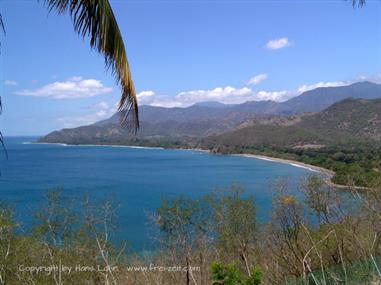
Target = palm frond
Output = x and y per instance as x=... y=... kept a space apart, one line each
x=358 y=3
x=3 y=146
x=95 y=18
x=2 y=23
x=1 y=104
x=1 y=135
x=2 y=27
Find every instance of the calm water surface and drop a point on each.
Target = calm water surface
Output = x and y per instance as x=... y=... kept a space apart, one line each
x=137 y=177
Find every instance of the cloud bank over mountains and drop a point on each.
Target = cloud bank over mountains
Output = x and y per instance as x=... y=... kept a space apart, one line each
x=232 y=95
x=77 y=87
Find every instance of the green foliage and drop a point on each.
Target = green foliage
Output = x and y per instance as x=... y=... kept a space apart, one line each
x=226 y=274
x=234 y=220
x=56 y=223
x=181 y=221
x=229 y=274
x=256 y=276
x=355 y=163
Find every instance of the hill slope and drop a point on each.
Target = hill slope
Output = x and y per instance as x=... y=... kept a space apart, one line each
x=351 y=120
x=345 y=138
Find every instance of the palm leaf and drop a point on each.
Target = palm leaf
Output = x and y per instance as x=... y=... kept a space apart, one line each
x=95 y=18
x=1 y=105
x=2 y=28
x=3 y=146
x=2 y=23
x=1 y=135
x=358 y=3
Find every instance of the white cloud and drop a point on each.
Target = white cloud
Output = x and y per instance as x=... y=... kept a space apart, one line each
x=278 y=43
x=278 y=96
x=74 y=87
x=376 y=78
x=10 y=82
x=100 y=111
x=232 y=95
x=145 y=97
x=307 y=87
x=257 y=79
x=227 y=95
x=145 y=94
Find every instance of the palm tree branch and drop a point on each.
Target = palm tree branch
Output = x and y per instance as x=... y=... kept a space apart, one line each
x=2 y=24
x=358 y=3
x=95 y=18
x=1 y=104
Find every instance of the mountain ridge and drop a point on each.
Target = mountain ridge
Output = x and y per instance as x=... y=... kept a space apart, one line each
x=201 y=121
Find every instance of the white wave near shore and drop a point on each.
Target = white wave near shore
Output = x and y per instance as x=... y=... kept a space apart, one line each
x=97 y=145
x=291 y=162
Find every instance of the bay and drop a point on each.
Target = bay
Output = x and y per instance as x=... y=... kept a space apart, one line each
x=137 y=178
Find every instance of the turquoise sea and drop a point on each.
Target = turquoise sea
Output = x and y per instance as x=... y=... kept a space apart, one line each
x=137 y=178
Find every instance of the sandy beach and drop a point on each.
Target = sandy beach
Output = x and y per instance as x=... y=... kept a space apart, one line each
x=310 y=167
x=328 y=174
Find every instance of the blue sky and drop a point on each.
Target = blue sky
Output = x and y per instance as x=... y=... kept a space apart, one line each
x=181 y=52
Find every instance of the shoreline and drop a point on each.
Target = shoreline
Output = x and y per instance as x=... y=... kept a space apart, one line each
x=328 y=174
x=294 y=163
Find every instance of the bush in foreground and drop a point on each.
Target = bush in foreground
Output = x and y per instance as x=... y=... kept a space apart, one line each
x=318 y=236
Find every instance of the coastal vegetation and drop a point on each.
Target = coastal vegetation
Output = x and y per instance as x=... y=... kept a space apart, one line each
x=352 y=164
x=314 y=236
